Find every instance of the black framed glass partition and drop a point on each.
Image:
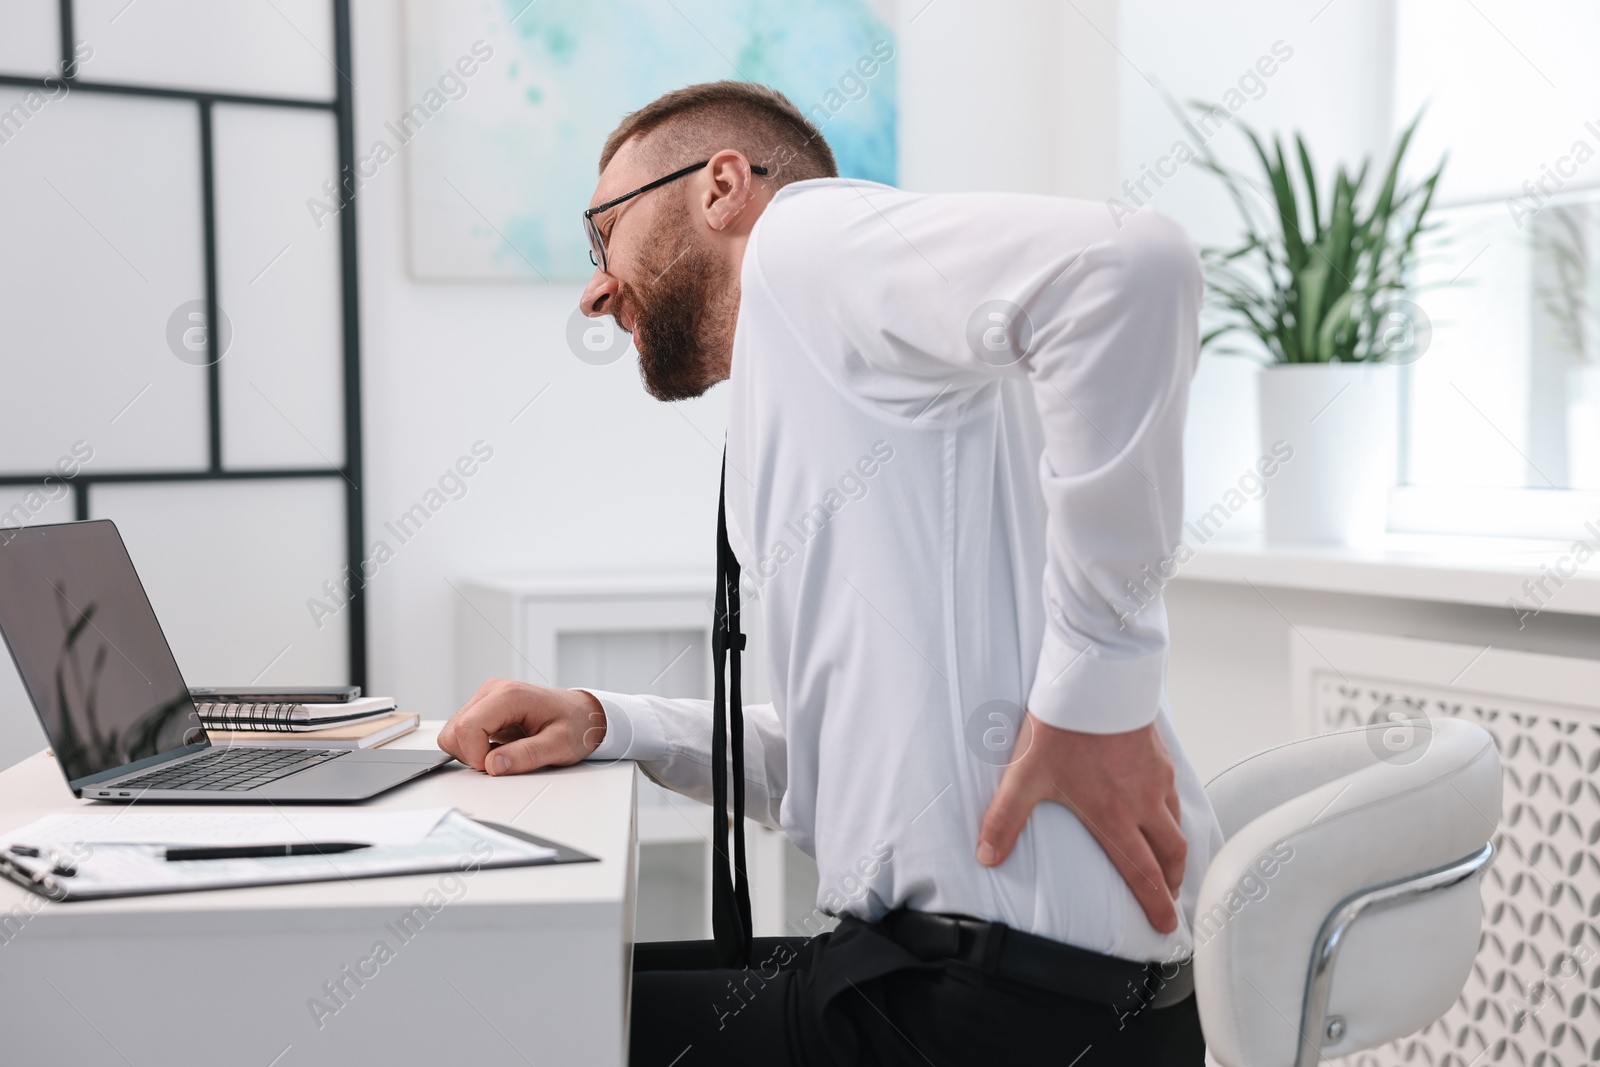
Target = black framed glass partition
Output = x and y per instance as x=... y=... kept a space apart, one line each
x=179 y=329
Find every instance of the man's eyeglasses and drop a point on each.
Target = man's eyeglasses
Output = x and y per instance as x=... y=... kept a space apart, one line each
x=597 y=243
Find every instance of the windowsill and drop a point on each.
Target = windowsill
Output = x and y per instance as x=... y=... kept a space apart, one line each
x=1448 y=569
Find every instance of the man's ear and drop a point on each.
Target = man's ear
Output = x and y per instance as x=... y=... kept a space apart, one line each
x=731 y=191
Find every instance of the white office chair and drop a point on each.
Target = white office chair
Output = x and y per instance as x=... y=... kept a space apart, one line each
x=1343 y=911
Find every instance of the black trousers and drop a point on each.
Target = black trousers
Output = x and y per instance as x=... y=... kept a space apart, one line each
x=852 y=996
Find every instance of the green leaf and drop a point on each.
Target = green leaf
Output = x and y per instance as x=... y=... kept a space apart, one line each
x=1288 y=207
x=1310 y=176
x=1337 y=320
x=1315 y=280
x=1308 y=285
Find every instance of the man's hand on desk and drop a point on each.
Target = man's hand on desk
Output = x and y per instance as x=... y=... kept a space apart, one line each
x=515 y=727
x=1122 y=787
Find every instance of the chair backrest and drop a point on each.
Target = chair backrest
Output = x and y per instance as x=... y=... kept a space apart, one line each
x=1313 y=828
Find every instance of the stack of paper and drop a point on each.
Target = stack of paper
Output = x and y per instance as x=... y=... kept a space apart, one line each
x=368 y=734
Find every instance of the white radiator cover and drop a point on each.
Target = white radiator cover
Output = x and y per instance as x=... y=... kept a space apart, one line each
x=1531 y=999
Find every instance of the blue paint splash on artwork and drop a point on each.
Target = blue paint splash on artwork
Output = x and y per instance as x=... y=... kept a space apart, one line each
x=577 y=68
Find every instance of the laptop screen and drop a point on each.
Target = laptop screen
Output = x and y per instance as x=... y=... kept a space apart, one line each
x=90 y=651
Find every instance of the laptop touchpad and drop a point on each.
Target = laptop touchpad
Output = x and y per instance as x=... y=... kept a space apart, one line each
x=340 y=779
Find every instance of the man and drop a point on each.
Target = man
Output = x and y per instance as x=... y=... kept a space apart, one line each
x=938 y=403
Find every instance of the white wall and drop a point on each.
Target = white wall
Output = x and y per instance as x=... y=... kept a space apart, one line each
x=1019 y=95
x=1015 y=94
x=1335 y=87
x=594 y=474
x=597 y=475
x=1012 y=94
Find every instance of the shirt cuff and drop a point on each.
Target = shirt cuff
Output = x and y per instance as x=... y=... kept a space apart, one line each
x=1076 y=689
x=633 y=729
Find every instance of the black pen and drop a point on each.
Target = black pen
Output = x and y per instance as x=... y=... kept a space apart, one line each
x=239 y=852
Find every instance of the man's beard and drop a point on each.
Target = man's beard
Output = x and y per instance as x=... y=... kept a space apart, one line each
x=684 y=317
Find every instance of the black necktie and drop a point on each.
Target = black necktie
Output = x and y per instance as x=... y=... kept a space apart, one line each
x=730 y=891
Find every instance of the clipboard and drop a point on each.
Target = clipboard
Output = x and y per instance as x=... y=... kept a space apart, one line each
x=564 y=854
x=453 y=847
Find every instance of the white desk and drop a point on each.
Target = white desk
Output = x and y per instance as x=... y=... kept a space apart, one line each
x=527 y=966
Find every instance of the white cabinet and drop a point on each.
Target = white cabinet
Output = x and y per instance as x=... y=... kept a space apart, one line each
x=641 y=632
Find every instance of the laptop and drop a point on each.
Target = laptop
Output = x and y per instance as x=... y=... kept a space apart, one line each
x=109 y=694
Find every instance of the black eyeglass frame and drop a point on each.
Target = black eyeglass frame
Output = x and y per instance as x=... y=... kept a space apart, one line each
x=597 y=243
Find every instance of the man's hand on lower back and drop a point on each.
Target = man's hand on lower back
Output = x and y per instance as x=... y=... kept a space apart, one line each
x=515 y=727
x=1120 y=785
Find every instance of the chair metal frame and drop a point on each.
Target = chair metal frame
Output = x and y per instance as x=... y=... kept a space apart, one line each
x=1316 y=1029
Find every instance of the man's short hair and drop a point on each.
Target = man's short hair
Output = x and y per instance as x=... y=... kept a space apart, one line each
x=698 y=121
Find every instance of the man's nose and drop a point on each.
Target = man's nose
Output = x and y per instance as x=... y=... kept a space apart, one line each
x=598 y=295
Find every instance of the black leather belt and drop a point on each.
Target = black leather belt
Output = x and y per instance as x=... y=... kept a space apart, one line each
x=996 y=949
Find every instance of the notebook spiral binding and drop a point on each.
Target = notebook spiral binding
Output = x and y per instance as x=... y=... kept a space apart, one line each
x=266 y=718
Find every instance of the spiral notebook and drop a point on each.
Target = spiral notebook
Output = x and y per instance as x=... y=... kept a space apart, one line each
x=288 y=718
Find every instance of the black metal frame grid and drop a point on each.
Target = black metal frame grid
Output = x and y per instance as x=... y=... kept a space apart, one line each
x=343 y=109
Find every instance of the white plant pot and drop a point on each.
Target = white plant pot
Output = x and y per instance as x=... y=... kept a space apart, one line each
x=1583 y=427
x=1339 y=423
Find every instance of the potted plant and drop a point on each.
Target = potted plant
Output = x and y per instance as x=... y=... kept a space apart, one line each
x=1319 y=286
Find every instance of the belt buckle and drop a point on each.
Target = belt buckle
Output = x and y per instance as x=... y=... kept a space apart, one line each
x=979 y=944
x=925 y=935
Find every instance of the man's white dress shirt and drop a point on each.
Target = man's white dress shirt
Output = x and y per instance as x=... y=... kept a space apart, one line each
x=939 y=504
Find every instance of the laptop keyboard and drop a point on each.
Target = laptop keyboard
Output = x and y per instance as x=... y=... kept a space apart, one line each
x=230 y=769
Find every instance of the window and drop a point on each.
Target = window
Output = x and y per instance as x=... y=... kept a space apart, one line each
x=1501 y=414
